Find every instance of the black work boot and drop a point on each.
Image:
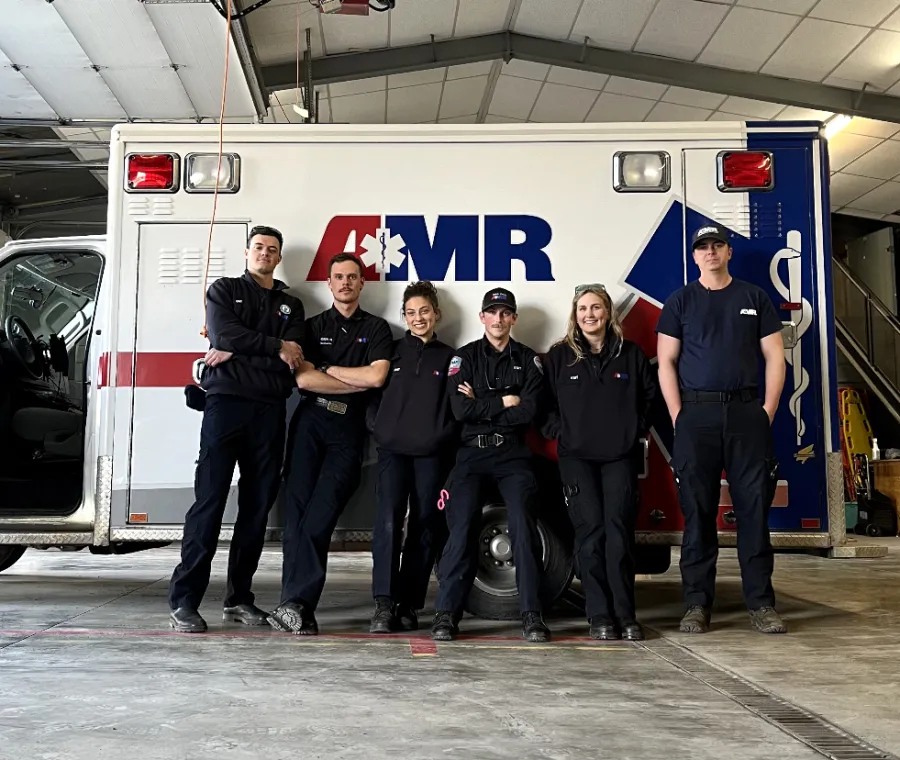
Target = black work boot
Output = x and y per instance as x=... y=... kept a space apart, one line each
x=186 y=620
x=767 y=620
x=534 y=628
x=632 y=631
x=383 y=620
x=294 y=618
x=445 y=626
x=695 y=620
x=603 y=629
x=406 y=617
x=248 y=614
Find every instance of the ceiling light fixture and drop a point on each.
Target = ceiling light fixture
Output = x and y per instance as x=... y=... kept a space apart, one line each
x=835 y=124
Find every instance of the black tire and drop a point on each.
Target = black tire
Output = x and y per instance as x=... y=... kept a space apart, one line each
x=652 y=560
x=873 y=531
x=9 y=555
x=493 y=595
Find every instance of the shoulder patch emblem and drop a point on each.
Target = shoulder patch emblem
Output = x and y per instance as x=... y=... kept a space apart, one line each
x=284 y=309
x=455 y=364
x=537 y=363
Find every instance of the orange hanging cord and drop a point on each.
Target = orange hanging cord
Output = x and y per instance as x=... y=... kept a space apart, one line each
x=212 y=220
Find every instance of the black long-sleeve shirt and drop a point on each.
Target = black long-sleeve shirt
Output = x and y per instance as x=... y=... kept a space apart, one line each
x=598 y=407
x=413 y=415
x=515 y=371
x=250 y=321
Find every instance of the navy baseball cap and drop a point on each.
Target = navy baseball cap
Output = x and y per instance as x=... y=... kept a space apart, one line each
x=499 y=297
x=710 y=232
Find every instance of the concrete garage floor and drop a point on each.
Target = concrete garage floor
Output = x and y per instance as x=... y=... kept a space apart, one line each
x=89 y=669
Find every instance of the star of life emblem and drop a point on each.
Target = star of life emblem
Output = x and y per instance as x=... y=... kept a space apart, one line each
x=383 y=251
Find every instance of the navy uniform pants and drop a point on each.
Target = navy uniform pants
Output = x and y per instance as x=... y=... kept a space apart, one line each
x=322 y=471
x=602 y=501
x=509 y=465
x=414 y=481
x=234 y=431
x=734 y=436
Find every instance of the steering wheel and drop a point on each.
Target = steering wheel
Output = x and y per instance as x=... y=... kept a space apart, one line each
x=25 y=347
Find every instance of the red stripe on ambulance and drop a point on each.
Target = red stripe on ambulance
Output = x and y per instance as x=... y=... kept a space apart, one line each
x=150 y=369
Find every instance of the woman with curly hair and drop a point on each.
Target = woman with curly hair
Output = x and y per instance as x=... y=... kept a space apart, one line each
x=416 y=436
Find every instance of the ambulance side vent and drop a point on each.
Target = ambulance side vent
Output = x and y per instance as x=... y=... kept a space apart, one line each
x=735 y=215
x=184 y=266
x=158 y=206
x=765 y=217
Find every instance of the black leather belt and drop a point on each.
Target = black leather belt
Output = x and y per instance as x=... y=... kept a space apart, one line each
x=721 y=397
x=487 y=441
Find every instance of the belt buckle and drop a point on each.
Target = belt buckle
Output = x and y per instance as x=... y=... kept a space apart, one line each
x=338 y=407
x=498 y=438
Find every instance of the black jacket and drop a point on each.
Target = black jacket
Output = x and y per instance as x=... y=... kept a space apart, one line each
x=599 y=407
x=251 y=321
x=516 y=371
x=413 y=415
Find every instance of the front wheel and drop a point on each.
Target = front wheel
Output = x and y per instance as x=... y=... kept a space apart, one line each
x=9 y=555
x=494 y=594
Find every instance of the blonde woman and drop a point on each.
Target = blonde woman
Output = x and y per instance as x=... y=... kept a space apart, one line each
x=601 y=391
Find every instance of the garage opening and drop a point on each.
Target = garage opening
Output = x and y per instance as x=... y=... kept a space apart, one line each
x=47 y=301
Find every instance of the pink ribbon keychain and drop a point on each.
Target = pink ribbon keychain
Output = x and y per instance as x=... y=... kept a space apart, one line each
x=441 y=504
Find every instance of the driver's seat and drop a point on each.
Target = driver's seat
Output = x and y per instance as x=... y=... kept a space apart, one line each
x=55 y=431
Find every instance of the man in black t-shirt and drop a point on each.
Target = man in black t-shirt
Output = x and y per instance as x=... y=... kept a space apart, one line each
x=347 y=354
x=712 y=334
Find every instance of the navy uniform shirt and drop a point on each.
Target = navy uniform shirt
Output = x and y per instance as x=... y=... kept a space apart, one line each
x=515 y=371
x=414 y=417
x=250 y=321
x=355 y=341
x=720 y=331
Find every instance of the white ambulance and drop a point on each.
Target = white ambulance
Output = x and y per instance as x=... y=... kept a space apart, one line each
x=101 y=335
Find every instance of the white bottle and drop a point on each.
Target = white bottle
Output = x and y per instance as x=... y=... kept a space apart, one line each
x=876 y=452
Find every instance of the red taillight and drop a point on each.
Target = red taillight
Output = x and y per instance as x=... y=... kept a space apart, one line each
x=745 y=170
x=157 y=172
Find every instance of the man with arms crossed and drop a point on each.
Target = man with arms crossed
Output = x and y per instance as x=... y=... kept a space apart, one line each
x=495 y=384
x=712 y=334
x=255 y=331
x=348 y=353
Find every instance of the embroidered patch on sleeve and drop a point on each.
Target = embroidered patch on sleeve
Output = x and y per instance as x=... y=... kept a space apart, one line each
x=455 y=364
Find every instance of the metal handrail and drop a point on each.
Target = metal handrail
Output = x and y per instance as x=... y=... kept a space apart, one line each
x=870 y=296
x=866 y=343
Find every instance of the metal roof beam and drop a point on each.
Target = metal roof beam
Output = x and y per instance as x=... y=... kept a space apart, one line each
x=648 y=68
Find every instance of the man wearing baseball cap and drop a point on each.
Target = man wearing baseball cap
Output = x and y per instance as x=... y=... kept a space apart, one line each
x=494 y=385
x=712 y=334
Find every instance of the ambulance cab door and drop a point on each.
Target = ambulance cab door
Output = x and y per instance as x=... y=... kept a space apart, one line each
x=168 y=352
x=773 y=239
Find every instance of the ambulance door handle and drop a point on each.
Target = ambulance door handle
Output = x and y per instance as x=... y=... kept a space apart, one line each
x=789 y=334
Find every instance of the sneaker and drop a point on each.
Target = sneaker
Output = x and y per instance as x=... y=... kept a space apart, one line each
x=767 y=620
x=383 y=621
x=294 y=618
x=603 y=629
x=186 y=620
x=407 y=618
x=534 y=628
x=695 y=620
x=445 y=626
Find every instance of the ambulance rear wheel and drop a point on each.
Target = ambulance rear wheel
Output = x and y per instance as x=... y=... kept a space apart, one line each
x=494 y=595
x=9 y=555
